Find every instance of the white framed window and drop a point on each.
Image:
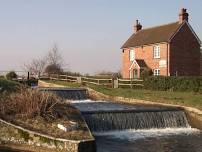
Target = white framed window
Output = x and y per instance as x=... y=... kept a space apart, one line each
x=132 y=55
x=156 y=72
x=156 y=51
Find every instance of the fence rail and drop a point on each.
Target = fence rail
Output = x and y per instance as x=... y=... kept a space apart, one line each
x=130 y=82
x=63 y=78
x=115 y=83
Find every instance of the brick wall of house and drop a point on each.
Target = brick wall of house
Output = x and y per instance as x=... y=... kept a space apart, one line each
x=201 y=63
x=185 y=53
x=145 y=53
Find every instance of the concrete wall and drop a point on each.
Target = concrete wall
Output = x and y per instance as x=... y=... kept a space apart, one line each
x=23 y=139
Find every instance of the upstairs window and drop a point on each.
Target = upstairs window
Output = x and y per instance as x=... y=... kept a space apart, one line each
x=132 y=55
x=156 y=72
x=156 y=52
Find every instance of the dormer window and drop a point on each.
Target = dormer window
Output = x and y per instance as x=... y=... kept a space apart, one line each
x=156 y=52
x=132 y=55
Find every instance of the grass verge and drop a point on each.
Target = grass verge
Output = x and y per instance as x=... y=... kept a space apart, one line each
x=191 y=99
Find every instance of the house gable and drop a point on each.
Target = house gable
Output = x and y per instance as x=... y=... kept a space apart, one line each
x=185 y=52
x=185 y=23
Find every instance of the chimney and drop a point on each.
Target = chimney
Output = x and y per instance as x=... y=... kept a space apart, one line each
x=183 y=16
x=137 y=27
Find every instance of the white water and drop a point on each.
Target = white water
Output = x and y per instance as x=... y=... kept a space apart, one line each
x=85 y=101
x=131 y=135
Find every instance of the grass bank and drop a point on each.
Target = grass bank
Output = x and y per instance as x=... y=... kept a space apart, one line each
x=191 y=99
x=7 y=85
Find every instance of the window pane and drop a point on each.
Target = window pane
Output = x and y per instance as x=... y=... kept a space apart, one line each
x=132 y=55
x=156 y=51
x=156 y=72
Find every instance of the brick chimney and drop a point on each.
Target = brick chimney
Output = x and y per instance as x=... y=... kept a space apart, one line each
x=137 y=26
x=183 y=16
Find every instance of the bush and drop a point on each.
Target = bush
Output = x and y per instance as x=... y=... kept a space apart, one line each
x=2 y=77
x=174 y=83
x=69 y=73
x=30 y=103
x=7 y=85
x=53 y=69
x=146 y=73
x=11 y=75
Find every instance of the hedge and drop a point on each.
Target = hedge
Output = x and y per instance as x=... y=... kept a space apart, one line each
x=7 y=85
x=161 y=83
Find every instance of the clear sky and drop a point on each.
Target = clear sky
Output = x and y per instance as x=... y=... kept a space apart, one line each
x=88 y=33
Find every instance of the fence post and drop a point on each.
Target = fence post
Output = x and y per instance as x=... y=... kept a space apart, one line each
x=28 y=75
x=79 y=80
x=131 y=81
x=116 y=83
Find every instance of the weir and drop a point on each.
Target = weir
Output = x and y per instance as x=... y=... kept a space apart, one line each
x=100 y=122
x=68 y=93
x=102 y=116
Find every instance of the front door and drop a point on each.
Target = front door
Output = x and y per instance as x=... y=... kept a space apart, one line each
x=135 y=73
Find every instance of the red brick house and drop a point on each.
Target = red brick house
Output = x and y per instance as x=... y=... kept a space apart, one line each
x=170 y=49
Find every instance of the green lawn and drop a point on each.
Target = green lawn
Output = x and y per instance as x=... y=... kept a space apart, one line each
x=182 y=98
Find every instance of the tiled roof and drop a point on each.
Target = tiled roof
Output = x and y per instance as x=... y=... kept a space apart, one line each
x=141 y=63
x=152 y=35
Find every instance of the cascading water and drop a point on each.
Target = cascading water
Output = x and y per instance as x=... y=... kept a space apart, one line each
x=68 y=93
x=138 y=128
x=100 y=122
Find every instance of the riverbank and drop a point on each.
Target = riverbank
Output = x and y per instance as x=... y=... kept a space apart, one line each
x=191 y=99
x=148 y=98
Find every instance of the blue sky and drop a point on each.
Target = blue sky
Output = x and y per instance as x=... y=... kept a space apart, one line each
x=89 y=33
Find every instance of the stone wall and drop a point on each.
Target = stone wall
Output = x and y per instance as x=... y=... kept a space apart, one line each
x=23 y=139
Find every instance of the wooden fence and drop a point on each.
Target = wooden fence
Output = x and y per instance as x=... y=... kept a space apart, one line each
x=130 y=83
x=114 y=83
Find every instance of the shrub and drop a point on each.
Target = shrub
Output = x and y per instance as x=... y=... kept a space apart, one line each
x=11 y=75
x=7 y=85
x=2 y=77
x=146 y=73
x=53 y=68
x=69 y=73
x=173 y=83
x=30 y=103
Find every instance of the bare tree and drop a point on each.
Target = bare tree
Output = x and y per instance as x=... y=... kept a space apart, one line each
x=36 y=66
x=52 y=62
x=54 y=56
x=55 y=61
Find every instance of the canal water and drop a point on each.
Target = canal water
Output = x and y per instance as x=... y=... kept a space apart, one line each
x=128 y=128
x=153 y=140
